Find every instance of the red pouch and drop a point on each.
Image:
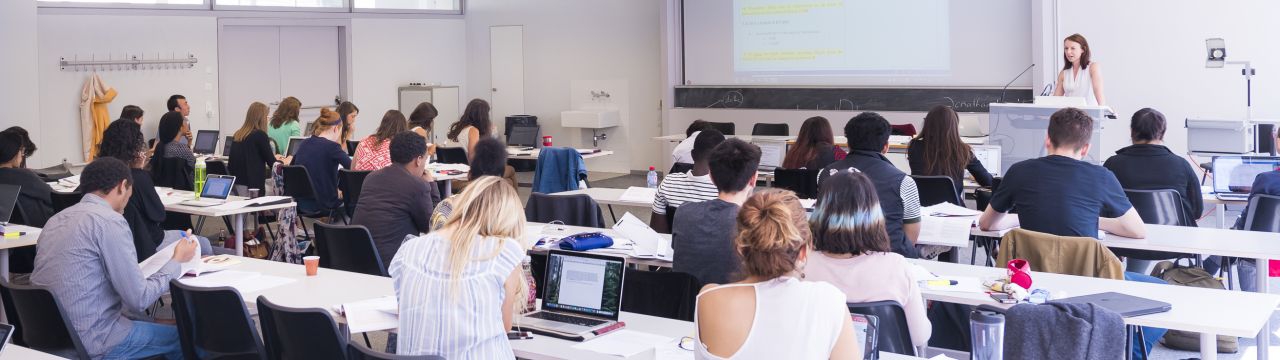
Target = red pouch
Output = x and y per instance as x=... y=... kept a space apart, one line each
x=1020 y=273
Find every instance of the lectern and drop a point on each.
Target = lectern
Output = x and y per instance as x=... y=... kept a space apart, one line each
x=1020 y=130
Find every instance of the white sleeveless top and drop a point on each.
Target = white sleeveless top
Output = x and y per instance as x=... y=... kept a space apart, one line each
x=1080 y=85
x=793 y=320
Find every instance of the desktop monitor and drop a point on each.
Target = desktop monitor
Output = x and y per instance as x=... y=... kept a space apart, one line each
x=206 y=142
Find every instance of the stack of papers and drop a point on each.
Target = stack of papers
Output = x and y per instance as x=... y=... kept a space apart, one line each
x=72 y=181
x=375 y=314
x=639 y=194
x=944 y=230
x=646 y=243
x=949 y=209
x=238 y=204
x=246 y=282
x=625 y=343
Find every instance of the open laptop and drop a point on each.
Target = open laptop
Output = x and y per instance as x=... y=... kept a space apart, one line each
x=206 y=142
x=226 y=145
x=216 y=190
x=293 y=145
x=8 y=200
x=1233 y=175
x=1125 y=305
x=582 y=293
x=989 y=156
x=772 y=153
x=523 y=136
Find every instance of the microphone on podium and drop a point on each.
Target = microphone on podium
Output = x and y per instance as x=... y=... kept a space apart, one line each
x=1015 y=78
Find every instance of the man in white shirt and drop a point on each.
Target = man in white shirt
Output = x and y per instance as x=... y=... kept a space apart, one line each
x=684 y=187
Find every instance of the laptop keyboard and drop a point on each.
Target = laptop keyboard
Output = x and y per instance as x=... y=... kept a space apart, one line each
x=570 y=319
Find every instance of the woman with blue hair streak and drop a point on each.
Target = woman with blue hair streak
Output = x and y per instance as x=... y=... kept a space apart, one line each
x=851 y=250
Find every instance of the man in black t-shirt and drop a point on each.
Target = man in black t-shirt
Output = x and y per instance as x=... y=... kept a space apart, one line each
x=1061 y=195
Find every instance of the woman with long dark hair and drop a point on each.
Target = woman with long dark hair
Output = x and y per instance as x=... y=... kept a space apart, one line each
x=251 y=153
x=938 y=150
x=815 y=146
x=473 y=124
x=422 y=121
x=284 y=123
x=374 y=152
x=1080 y=75
x=348 y=112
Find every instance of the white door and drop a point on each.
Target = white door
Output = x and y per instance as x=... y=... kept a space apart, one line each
x=268 y=63
x=506 y=64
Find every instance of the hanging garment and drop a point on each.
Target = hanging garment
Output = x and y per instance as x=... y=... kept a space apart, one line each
x=93 y=114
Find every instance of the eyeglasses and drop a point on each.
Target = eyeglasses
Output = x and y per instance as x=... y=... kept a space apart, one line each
x=687 y=343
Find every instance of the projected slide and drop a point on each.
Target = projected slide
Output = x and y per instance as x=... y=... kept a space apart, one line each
x=820 y=38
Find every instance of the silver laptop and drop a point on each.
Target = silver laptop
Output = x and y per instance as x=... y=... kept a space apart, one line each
x=772 y=152
x=1123 y=304
x=206 y=142
x=582 y=294
x=1233 y=175
x=216 y=190
x=8 y=202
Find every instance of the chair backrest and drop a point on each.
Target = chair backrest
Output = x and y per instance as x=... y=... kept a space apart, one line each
x=348 y=248
x=893 y=336
x=573 y=210
x=1066 y=255
x=665 y=294
x=770 y=129
x=356 y=351
x=296 y=334
x=11 y=315
x=350 y=182
x=297 y=183
x=217 y=167
x=804 y=182
x=45 y=328
x=1263 y=213
x=726 y=128
x=173 y=173
x=214 y=322
x=679 y=167
x=1159 y=207
x=451 y=155
x=936 y=190
x=671 y=215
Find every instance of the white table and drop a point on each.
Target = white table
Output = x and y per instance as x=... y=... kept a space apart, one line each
x=15 y=352
x=566 y=230
x=29 y=239
x=328 y=288
x=1194 y=309
x=609 y=197
x=238 y=214
x=1220 y=206
x=533 y=154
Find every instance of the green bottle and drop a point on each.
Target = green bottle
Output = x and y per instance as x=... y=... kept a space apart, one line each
x=200 y=174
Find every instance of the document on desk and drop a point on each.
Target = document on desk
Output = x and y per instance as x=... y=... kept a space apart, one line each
x=624 y=343
x=382 y=313
x=247 y=282
x=949 y=209
x=639 y=194
x=153 y=264
x=72 y=181
x=946 y=231
x=808 y=203
x=646 y=243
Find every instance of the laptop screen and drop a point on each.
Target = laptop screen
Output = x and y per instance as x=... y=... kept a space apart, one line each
x=226 y=145
x=771 y=153
x=293 y=145
x=523 y=136
x=218 y=186
x=206 y=142
x=989 y=156
x=1235 y=174
x=587 y=284
x=8 y=199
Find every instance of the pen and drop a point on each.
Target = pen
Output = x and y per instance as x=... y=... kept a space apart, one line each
x=15 y=233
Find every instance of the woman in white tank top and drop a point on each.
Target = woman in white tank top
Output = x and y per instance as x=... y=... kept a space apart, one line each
x=771 y=314
x=1081 y=77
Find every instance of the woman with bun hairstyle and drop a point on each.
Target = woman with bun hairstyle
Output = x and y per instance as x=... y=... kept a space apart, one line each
x=321 y=154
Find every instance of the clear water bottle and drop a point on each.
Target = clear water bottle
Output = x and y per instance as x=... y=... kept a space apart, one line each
x=200 y=174
x=651 y=180
x=988 y=335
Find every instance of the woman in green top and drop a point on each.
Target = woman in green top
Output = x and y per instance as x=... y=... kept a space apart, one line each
x=284 y=123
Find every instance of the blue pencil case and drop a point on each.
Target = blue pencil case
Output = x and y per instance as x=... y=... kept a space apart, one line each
x=586 y=241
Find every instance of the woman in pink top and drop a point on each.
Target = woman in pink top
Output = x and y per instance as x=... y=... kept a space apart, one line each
x=850 y=250
x=374 y=152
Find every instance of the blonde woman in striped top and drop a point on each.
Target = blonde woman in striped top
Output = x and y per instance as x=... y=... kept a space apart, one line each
x=460 y=287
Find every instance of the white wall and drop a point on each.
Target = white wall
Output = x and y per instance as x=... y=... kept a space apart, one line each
x=579 y=40
x=100 y=36
x=388 y=53
x=17 y=23
x=1152 y=55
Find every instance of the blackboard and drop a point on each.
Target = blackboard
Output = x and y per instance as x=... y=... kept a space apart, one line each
x=895 y=99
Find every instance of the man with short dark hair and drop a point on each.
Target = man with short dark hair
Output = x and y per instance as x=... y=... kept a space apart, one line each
x=179 y=104
x=131 y=113
x=87 y=261
x=397 y=200
x=1061 y=195
x=868 y=135
x=702 y=232
x=686 y=187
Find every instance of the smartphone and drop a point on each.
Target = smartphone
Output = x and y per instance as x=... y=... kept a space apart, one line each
x=1003 y=298
x=518 y=335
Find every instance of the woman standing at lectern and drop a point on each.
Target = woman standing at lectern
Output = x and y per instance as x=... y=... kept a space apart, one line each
x=1080 y=77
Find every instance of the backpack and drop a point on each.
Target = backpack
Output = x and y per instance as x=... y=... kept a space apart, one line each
x=1195 y=277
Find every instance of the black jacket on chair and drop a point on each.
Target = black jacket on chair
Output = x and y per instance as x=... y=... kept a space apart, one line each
x=173 y=173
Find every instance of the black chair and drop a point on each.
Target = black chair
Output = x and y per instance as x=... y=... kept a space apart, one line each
x=1157 y=207
x=726 y=128
x=937 y=189
x=451 y=155
x=360 y=352
x=804 y=182
x=348 y=248
x=216 y=167
x=44 y=327
x=214 y=322
x=61 y=201
x=671 y=216
x=296 y=334
x=573 y=210
x=677 y=168
x=894 y=336
x=350 y=182
x=351 y=147
x=297 y=184
x=770 y=129
x=665 y=294
x=1263 y=213
x=173 y=173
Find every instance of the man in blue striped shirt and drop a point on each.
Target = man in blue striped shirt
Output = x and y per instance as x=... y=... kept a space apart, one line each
x=87 y=260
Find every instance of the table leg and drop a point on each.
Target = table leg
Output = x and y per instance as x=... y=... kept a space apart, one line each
x=1264 y=337
x=1208 y=346
x=448 y=189
x=611 y=214
x=4 y=264
x=239 y=234
x=1222 y=215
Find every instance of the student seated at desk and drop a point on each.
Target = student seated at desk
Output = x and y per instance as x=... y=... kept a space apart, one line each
x=28 y=147
x=169 y=132
x=131 y=113
x=703 y=231
x=348 y=112
x=690 y=186
x=851 y=250
x=771 y=314
x=683 y=152
x=868 y=135
x=1061 y=195
x=938 y=150
x=284 y=123
x=397 y=200
x=815 y=146
x=35 y=197
x=321 y=154
x=374 y=152
x=86 y=261
x=460 y=287
x=421 y=122
x=474 y=125
x=490 y=160
x=251 y=154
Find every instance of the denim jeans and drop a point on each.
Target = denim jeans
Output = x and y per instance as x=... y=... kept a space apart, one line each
x=145 y=340
x=1150 y=335
x=1247 y=269
x=173 y=235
